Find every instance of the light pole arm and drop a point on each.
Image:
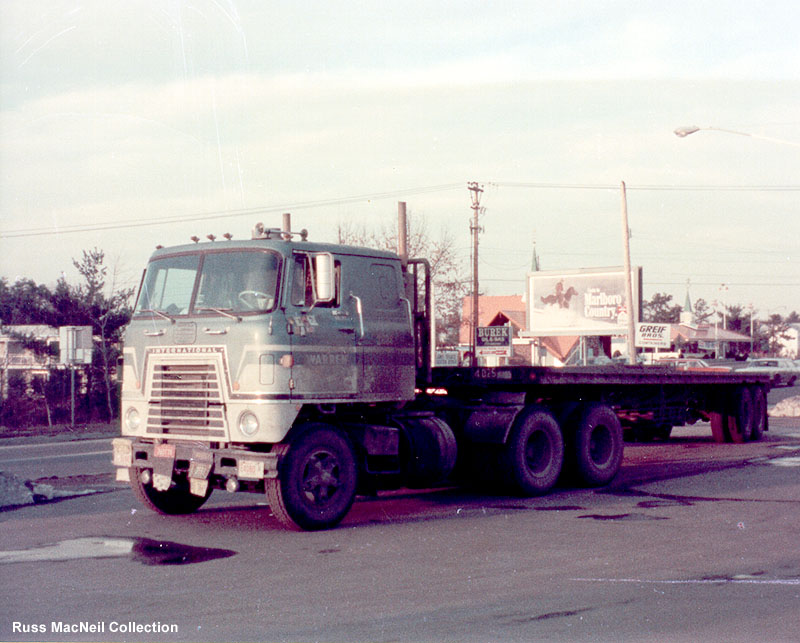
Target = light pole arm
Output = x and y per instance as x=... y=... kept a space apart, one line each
x=683 y=132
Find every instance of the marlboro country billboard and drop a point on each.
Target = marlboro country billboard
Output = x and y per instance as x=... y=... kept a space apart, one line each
x=581 y=302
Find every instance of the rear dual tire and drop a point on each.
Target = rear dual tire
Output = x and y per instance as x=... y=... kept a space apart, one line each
x=744 y=418
x=533 y=455
x=596 y=445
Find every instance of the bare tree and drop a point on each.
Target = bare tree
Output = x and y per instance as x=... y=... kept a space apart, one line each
x=108 y=314
x=446 y=268
x=775 y=330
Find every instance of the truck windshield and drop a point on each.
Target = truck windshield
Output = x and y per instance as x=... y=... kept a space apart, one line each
x=243 y=281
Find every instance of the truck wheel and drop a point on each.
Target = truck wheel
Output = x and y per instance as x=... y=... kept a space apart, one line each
x=532 y=457
x=759 y=413
x=595 y=445
x=429 y=451
x=316 y=483
x=175 y=500
x=740 y=419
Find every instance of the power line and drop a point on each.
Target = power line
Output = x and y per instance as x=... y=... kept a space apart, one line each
x=375 y=196
x=661 y=188
x=225 y=214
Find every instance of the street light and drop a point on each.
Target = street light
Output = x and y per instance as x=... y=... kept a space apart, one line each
x=683 y=132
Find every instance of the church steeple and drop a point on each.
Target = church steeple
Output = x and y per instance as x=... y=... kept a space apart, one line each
x=687 y=315
x=535 y=259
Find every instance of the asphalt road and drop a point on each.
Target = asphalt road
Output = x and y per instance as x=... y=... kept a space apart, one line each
x=56 y=458
x=693 y=541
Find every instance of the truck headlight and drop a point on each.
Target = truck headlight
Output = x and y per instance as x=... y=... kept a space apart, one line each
x=248 y=423
x=132 y=419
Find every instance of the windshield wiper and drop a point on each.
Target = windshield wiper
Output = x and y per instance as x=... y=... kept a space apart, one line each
x=159 y=313
x=225 y=312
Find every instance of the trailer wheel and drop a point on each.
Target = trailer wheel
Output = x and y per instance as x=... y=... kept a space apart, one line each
x=759 y=413
x=174 y=501
x=740 y=419
x=317 y=479
x=596 y=446
x=532 y=457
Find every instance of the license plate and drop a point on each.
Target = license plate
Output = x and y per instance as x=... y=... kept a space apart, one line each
x=122 y=452
x=251 y=469
x=164 y=451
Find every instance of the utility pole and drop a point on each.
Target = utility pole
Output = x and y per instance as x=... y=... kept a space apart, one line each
x=626 y=249
x=475 y=193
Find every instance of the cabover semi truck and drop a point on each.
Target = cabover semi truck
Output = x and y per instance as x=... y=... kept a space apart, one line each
x=303 y=371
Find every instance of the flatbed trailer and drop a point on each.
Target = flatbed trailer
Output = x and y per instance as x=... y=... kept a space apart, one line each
x=302 y=371
x=650 y=399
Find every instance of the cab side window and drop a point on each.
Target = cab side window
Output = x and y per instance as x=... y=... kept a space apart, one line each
x=386 y=291
x=303 y=284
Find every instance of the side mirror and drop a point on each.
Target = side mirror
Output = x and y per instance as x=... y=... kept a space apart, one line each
x=324 y=278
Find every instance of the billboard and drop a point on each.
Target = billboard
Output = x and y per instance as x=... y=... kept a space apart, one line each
x=493 y=340
x=589 y=301
x=653 y=335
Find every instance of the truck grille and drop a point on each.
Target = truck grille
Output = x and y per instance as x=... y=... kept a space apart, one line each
x=186 y=400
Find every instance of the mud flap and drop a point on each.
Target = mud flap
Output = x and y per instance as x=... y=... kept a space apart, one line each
x=200 y=465
x=122 y=458
x=719 y=427
x=198 y=486
x=163 y=465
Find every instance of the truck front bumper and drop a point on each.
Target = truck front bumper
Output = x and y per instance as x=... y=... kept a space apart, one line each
x=197 y=462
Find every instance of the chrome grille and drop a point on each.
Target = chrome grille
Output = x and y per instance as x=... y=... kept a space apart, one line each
x=186 y=400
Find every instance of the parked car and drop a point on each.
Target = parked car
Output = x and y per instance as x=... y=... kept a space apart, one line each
x=692 y=364
x=782 y=371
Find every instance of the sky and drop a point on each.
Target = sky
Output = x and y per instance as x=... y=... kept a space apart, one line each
x=125 y=124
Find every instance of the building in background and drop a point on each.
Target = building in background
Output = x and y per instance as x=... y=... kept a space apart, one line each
x=27 y=351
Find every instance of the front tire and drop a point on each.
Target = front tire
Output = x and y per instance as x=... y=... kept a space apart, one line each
x=532 y=457
x=174 y=501
x=317 y=479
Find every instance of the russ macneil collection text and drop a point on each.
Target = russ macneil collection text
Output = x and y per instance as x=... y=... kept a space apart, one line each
x=95 y=627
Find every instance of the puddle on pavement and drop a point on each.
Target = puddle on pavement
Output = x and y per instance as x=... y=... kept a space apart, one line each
x=663 y=502
x=142 y=550
x=624 y=517
x=791 y=461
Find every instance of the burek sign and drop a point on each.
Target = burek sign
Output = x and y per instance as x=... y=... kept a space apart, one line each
x=494 y=340
x=650 y=335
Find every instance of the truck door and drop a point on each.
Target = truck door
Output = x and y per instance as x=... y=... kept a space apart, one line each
x=323 y=337
x=387 y=342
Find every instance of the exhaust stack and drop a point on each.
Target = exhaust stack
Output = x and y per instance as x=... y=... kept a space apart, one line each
x=402 y=233
x=287 y=225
